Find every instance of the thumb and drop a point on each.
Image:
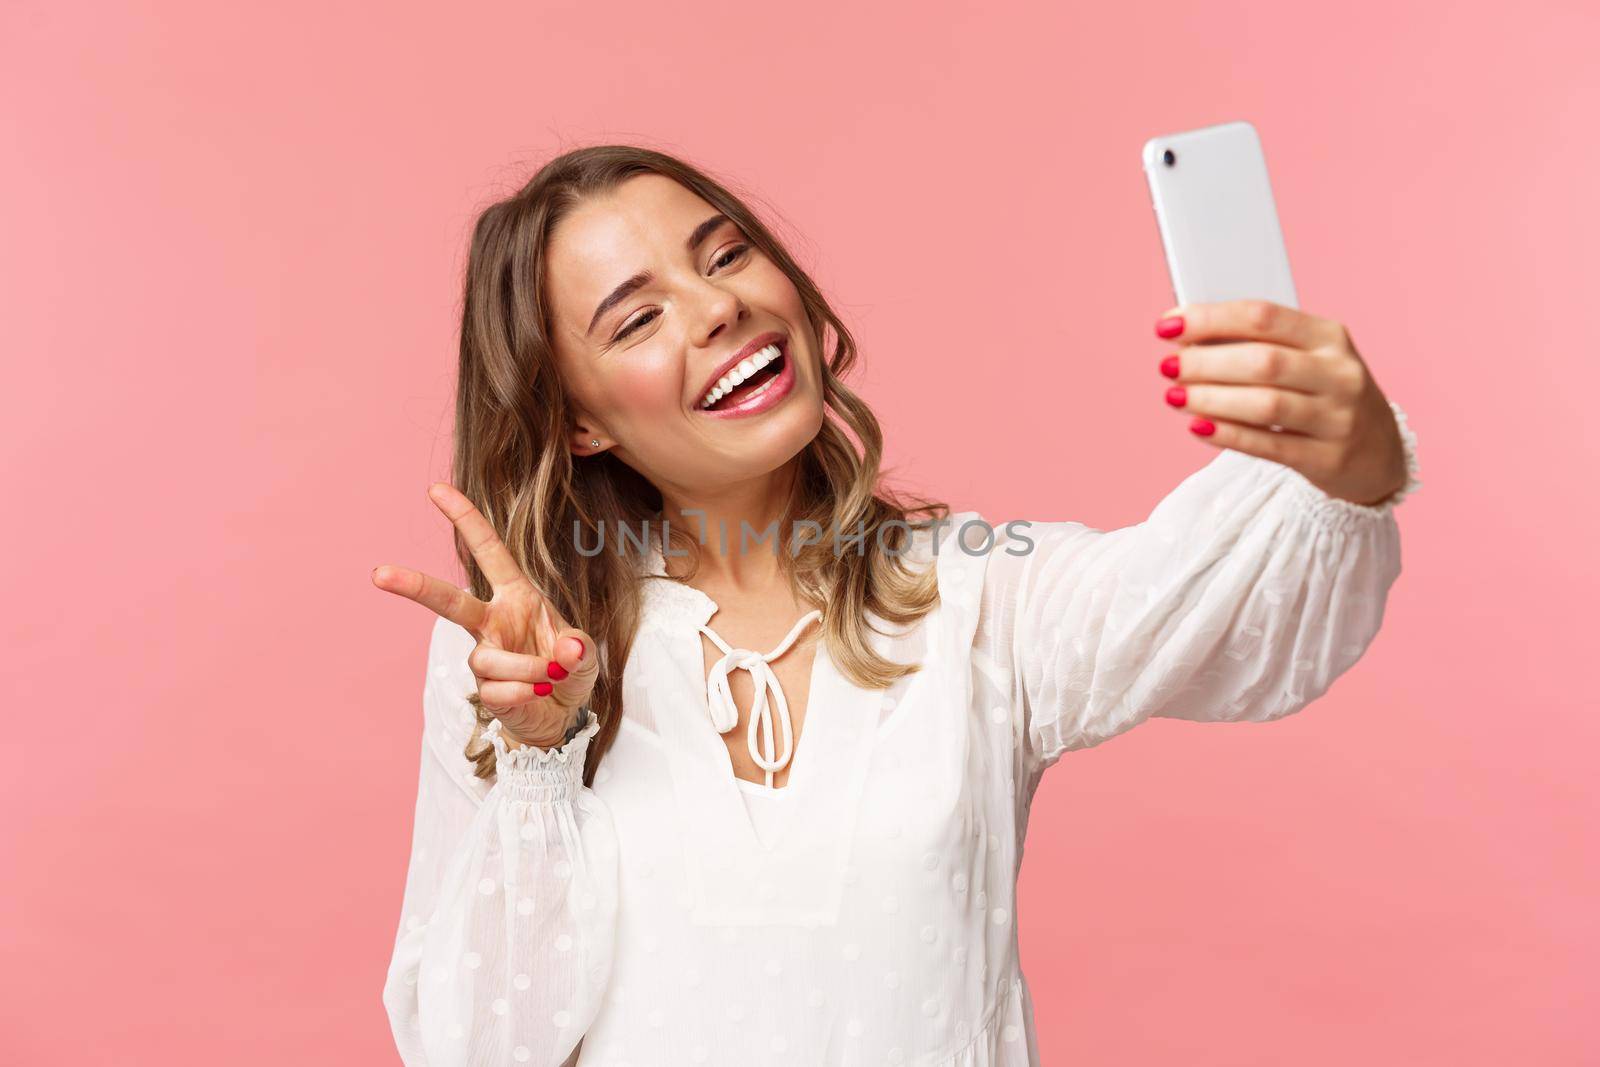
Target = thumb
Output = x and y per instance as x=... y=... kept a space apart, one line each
x=575 y=651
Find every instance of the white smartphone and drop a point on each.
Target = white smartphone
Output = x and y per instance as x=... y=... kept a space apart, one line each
x=1219 y=223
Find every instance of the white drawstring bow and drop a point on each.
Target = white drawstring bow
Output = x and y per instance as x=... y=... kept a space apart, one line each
x=725 y=712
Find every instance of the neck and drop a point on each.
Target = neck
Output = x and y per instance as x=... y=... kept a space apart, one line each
x=728 y=523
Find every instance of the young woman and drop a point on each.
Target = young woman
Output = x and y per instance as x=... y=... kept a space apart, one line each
x=702 y=798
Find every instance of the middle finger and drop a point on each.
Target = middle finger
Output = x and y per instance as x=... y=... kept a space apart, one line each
x=499 y=567
x=1250 y=363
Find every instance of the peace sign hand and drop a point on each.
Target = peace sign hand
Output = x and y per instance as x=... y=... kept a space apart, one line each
x=534 y=670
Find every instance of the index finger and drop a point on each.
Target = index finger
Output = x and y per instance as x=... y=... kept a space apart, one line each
x=439 y=597
x=491 y=553
x=1246 y=320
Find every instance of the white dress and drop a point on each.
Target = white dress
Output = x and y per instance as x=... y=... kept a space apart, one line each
x=865 y=912
x=765 y=807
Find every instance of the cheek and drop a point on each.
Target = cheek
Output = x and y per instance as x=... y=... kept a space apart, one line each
x=784 y=299
x=645 y=389
x=782 y=294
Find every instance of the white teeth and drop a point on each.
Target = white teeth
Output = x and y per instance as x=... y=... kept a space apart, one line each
x=747 y=366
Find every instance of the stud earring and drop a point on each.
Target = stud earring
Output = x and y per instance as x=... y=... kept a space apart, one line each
x=594 y=442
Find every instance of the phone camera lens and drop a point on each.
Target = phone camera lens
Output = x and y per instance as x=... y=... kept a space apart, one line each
x=1169 y=157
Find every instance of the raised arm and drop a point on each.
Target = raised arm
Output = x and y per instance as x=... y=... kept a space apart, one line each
x=506 y=931
x=505 y=939
x=1245 y=593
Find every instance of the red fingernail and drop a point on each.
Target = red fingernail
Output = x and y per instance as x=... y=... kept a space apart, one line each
x=1170 y=327
x=556 y=671
x=1203 y=427
x=1169 y=366
x=543 y=689
x=1177 y=395
x=581 y=649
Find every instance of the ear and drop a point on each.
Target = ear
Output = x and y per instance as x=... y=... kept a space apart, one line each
x=586 y=438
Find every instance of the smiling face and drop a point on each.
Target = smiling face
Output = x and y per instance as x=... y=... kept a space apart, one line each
x=651 y=294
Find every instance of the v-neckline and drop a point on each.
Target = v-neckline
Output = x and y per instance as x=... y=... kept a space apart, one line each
x=799 y=760
x=733 y=876
x=695 y=608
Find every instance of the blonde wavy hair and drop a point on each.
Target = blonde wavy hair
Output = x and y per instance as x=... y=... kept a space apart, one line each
x=511 y=458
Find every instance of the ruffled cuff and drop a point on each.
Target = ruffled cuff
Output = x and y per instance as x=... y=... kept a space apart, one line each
x=1339 y=514
x=533 y=773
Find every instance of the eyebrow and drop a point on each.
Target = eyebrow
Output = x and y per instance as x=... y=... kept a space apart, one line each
x=644 y=277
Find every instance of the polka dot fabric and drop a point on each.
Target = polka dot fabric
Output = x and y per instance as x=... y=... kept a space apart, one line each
x=868 y=916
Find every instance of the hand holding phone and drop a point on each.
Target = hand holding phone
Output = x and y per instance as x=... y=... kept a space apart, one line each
x=1319 y=411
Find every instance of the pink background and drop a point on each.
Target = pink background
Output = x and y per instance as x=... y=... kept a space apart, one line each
x=231 y=259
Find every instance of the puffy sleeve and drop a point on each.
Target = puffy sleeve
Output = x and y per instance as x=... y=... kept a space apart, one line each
x=504 y=946
x=1242 y=596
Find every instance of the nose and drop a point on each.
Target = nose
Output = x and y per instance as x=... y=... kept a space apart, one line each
x=718 y=309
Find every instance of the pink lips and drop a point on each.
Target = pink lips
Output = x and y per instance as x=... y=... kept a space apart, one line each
x=757 y=343
x=769 y=397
